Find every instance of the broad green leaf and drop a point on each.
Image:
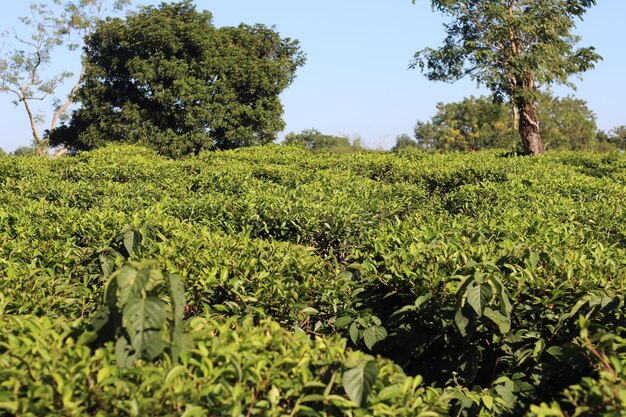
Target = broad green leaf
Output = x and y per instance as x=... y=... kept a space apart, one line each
x=101 y=318
x=505 y=389
x=358 y=382
x=344 y=321
x=132 y=240
x=10 y=406
x=143 y=319
x=194 y=411
x=503 y=323
x=155 y=279
x=174 y=373
x=423 y=299
x=556 y=351
x=584 y=300
x=533 y=258
x=130 y=283
x=478 y=296
x=355 y=333
x=107 y=264
x=389 y=393
x=124 y=353
x=505 y=305
x=309 y=311
x=461 y=322
x=487 y=401
x=374 y=335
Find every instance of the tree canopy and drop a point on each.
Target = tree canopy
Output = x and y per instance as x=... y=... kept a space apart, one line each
x=513 y=47
x=471 y=124
x=167 y=77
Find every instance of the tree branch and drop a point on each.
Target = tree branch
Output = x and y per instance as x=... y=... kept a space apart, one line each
x=70 y=99
x=31 y=118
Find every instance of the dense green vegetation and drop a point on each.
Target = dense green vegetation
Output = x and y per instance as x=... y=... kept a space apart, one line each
x=315 y=140
x=316 y=284
x=482 y=123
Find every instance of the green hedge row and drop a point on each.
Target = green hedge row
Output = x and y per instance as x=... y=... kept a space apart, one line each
x=232 y=368
x=497 y=280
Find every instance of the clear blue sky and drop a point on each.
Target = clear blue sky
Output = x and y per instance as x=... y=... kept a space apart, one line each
x=356 y=80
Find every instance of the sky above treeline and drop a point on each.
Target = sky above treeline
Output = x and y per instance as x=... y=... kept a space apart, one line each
x=356 y=81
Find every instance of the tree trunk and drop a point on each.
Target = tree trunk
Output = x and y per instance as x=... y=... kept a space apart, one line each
x=41 y=145
x=529 y=129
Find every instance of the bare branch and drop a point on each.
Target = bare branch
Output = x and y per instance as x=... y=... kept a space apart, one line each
x=63 y=108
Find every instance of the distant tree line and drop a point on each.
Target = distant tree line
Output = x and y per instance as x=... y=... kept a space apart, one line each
x=481 y=123
x=314 y=140
x=615 y=137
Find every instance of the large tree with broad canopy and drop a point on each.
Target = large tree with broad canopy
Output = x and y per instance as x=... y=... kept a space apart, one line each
x=513 y=47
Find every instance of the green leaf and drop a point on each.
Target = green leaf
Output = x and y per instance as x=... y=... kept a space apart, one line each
x=10 y=406
x=374 y=335
x=505 y=389
x=533 y=258
x=143 y=319
x=505 y=305
x=132 y=239
x=478 y=297
x=503 y=323
x=355 y=333
x=344 y=321
x=130 y=282
x=309 y=311
x=174 y=373
x=358 y=382
x=390 y=392
x=107 y=264
x=124 y=353
x=488 y=401
x=176 y=290
x=556 y=351
x=461 y=322
x=579 y=304
x=155 y=279
x=101 y=318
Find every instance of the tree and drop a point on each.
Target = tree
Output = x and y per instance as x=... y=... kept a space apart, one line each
x=167 y=78
x=425 y=135
x=23 y=69
x=405 y=142
x=617 y=136
x=314 y=140
x=481 y=122
x=471 y=124
x=25 y=151
x=567 y=122
x=513 y=47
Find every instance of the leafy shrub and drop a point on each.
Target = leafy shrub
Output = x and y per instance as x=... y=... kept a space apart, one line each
x=469 y=272
x=234 y=367
x=135 y=316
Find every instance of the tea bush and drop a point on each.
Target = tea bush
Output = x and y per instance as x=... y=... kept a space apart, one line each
x=495 y=282
x=232 y=368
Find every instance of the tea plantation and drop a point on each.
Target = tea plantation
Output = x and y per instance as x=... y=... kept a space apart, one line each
x=273 y=281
